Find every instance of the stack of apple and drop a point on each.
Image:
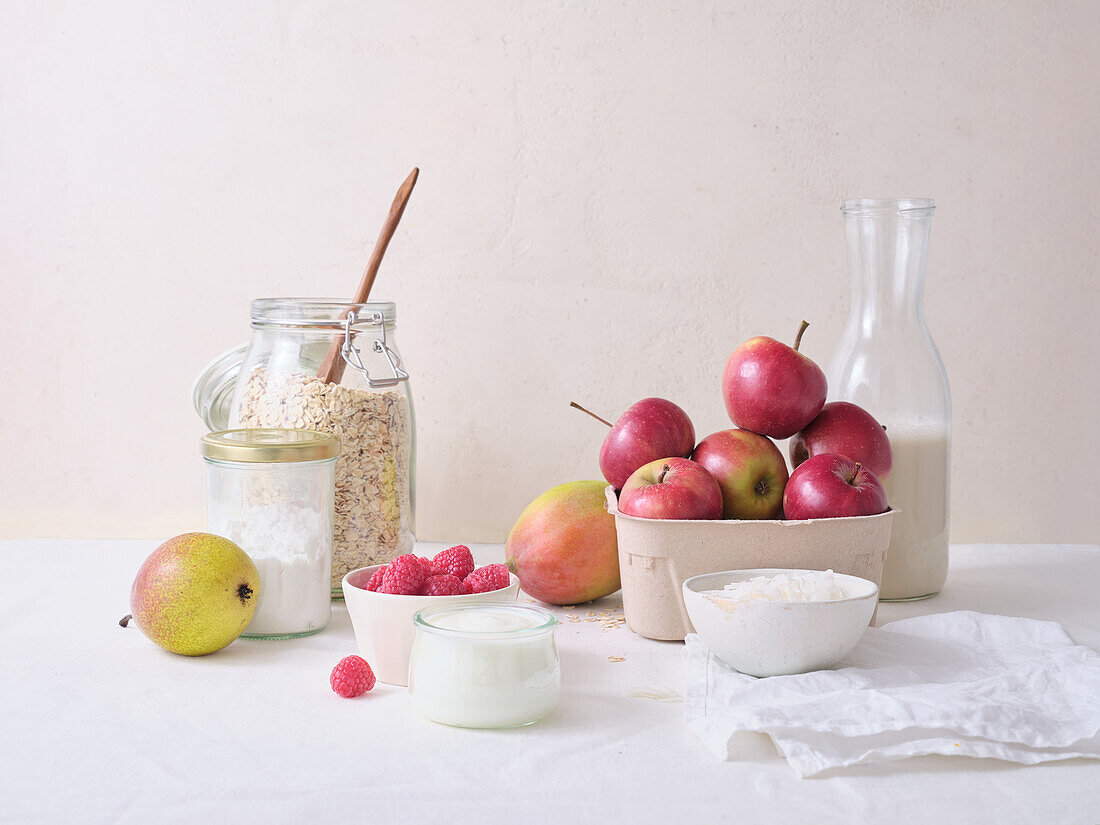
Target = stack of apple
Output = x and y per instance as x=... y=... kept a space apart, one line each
x=839 y=452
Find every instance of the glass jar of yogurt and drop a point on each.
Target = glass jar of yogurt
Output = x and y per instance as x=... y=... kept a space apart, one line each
x=484 y=665
x=271 y=492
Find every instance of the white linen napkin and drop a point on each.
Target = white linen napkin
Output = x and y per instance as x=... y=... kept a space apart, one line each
x=951 y=683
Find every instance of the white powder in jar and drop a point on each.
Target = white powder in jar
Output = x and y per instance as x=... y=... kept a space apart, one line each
x=294 y=560
x=796 y=586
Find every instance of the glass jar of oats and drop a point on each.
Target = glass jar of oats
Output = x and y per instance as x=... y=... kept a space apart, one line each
x=279 y=380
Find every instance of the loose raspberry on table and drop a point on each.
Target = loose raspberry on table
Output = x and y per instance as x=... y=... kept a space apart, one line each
x=455 y=561
x=404 y=576
x=375 y=582
x=427 y=565
x=443 y=585
x=487 y=579
x=352 y=677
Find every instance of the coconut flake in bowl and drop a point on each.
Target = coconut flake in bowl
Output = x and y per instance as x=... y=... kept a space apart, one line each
x=793 y=586
x=791 y=621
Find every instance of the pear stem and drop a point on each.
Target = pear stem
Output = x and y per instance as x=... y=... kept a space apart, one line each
x=583 y=410
x=798 y=338
x=125 y=620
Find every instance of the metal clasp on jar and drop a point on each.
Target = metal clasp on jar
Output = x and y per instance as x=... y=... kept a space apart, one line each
x=352 y=356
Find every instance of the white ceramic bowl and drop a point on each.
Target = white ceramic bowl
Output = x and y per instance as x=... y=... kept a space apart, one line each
x=383 y=622
x=763 y=638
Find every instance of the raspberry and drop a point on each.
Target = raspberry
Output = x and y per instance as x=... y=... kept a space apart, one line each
x=456 y=561
x=351 y=677
x=404 y=576
x=488 y=578
x=443 y=585
x=375 y=582
x=427 y=565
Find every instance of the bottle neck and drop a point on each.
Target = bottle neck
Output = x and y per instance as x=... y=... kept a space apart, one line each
x=886 y=263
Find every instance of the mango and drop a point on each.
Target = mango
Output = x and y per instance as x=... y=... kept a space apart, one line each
x=563 y=546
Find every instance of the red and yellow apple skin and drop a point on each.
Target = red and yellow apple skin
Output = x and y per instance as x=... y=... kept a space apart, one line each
x=652 y=428
x=845 y=429
x=772 y=389
x=671 y=488
x=563 y=547
x=750 y=471
x=832 y=486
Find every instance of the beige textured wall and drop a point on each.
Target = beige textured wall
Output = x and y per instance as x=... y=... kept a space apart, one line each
x=613 y=195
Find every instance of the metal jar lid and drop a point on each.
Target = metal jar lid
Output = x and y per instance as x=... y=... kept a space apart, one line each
x=269 y=445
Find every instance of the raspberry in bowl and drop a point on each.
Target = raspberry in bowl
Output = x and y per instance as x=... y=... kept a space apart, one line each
x=382 y=600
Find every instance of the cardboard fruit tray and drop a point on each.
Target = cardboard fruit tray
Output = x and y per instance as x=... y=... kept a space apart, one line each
x=656 y=556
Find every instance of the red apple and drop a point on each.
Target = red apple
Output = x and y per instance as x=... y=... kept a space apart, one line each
x=832 y=486
x=772 y=389
x=673 y=488
x=849 y=430
x=651 y=429
x=749 y=469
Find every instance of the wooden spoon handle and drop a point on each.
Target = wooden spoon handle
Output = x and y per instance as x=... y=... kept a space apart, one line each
x=332 y=368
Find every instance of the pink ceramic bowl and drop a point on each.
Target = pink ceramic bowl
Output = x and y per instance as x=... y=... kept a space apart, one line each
x=383 y=622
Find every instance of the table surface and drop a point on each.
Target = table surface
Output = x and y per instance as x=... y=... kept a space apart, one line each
x=101 y=725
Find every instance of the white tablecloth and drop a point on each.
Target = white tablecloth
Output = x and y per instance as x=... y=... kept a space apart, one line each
x=99 y=725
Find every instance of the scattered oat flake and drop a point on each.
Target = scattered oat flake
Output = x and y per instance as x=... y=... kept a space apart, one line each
x=616 y=658
x=656 y=694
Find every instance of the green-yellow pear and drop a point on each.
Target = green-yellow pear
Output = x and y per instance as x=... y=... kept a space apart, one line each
x=195 y=594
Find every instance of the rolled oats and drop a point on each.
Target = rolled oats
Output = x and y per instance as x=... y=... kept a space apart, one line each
x=373 y=502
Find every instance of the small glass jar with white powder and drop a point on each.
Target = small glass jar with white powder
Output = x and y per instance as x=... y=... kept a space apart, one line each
x=271 y=492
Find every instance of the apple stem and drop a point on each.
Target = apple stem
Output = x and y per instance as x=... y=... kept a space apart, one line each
x=664 y=472
x=583 y=410
x=859 y=466
x=125 y=620
x=798 y=338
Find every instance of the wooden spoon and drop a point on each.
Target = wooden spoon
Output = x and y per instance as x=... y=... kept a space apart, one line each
x=332 y=368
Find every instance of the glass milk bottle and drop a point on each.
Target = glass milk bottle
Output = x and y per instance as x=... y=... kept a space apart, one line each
x=887 y=363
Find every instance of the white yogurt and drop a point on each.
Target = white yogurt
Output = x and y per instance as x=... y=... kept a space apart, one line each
x=485 y=666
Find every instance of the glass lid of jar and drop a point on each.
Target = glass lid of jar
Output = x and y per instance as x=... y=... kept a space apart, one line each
x=212 y=392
